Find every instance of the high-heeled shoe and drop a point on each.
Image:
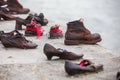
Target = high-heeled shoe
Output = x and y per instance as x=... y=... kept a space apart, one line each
x=51 y=51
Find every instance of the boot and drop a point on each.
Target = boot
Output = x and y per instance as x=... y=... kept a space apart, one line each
x=72 y=68
x=6 y=16
x=118 y=76
x=55 y=32
x=15 y=7
x=77 y=33
x=18 y=41
x=50 y=51
x=40 y=19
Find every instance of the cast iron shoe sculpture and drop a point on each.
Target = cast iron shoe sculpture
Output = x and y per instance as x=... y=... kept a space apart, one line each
x=17 y=40
x=15 y=7
x=34 y=29
x=84 y=66
x=51 y=51
x=55 y=32
x=77 y=33
x=118 y=76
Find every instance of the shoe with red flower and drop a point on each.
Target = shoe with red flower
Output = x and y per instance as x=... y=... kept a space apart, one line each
x=55 y=32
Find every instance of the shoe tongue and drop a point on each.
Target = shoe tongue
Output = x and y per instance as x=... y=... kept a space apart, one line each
x=17 y=34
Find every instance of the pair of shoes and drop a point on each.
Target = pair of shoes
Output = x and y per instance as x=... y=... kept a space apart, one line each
x=77 y=33
x=71 y=68
x=14 y=6
x=16 y=39
x=39 y=19
x=118 y=76
x=84 y=66
x=51 y=51
x=55 y=32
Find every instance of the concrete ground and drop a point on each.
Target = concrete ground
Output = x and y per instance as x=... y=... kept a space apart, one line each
x=32 y=64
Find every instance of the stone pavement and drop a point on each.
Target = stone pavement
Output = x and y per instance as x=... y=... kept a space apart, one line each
x=32 y=64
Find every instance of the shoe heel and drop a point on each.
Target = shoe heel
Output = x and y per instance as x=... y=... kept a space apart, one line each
x=49 y=57
x=71 y=42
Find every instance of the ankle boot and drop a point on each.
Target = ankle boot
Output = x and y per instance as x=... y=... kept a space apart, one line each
x=118 y=76
x=55 y=32
x=50 y=51
x=40 y=19
x=15 y=7
x=18 y=41
x=77 y=33
x=6 y=16
x=72 y=68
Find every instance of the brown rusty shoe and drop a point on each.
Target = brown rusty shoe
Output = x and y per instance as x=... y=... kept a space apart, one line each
x=77 y=33
x=50 y=51
x=72 y=68
x=16 y=8
x=18 y=41
x=55 y=32
x=32 y=31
